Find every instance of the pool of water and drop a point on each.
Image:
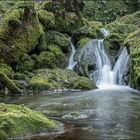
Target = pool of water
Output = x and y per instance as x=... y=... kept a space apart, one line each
x=97 y=114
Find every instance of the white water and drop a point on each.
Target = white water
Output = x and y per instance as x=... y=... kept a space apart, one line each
x=72 y=63
x=104 y=32
x=106 y=76
x=120 y=67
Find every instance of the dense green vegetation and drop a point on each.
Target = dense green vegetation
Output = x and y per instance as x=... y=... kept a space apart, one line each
x=35 y=47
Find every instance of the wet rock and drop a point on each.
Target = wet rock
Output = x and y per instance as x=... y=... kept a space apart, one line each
x=74 y=116
x=52 y=79
x=19 y=121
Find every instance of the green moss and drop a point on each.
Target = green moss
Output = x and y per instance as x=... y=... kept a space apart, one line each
x=46 y=18
x=66 y=13
x=59 y=55
x=68 y=23
x=82 y=83
x=47 y=79
x=25 y=63
x=4 y=5
x=81 y=43
x=20 y=76
x=38 y=83
x=108 y=10
x=7 y=82
x=114 y=41
x=7 y=70
x=23 y=30
x=85 y=32
x=46 y=59
x=133 y=44
x=17 y=121
x=60 y=39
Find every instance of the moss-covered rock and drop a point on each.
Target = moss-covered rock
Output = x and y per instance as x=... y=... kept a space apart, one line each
x=46 y=18
x=7 y=70
x=23 y=30
x=82 y=83
x=60 y=39
x=47 y=79
x=83 y=32
x=20 y=76
x=133 y=44
x=5 y=5
x=80 y=44
x=8 y=83
x=25 y=63
x=67 y=14
x=46 y=59
x=60 y=57
x=18 y=121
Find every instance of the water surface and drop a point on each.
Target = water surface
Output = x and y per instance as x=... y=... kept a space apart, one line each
x=89 y=115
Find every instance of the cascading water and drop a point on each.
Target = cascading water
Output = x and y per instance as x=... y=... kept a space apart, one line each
x=103 y=65
x=120 y=69
x=103 y=74
x=72 y=63
x=104 y=32
x=107 y=76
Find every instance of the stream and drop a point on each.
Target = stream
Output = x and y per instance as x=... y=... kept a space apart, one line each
x=97 y=114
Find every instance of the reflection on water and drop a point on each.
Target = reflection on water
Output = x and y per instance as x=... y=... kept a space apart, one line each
x=111 y=113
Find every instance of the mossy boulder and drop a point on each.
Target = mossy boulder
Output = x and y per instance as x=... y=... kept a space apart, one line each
x=8 y=83
x=23 y=30
x=60 y=39
x=82 y=83
x=67 y=14
x=21 y=76
x=84 y=32
x=47 y=79
x=17 y=121
x=46 y=18
x=7 y=70
x=133 y=44
x=124 y=26
x=60 y=57
x=4 y=5
x=25 y=63
x=46 y=59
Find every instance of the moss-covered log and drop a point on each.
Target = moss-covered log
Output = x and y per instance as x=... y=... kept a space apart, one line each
x=9 y=84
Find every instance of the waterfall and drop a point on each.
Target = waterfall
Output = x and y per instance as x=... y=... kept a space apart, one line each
x=104 y=32
x=107 y=76
x=103 y=73
x=72 y=63
x=120 y=68
x=103 y=65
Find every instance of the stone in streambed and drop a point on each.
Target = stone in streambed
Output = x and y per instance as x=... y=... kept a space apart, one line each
x=19 y=121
